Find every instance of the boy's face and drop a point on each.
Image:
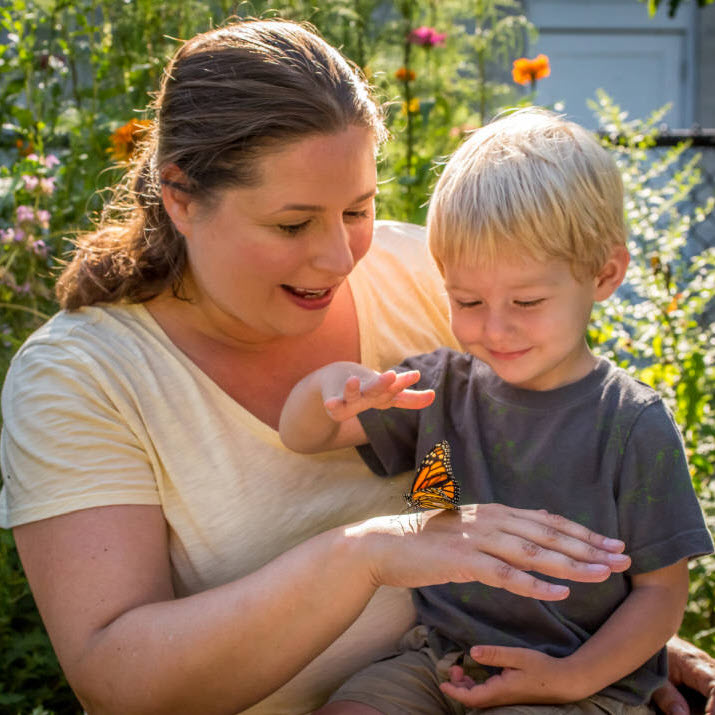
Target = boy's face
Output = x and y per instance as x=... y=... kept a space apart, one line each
x=526 y=319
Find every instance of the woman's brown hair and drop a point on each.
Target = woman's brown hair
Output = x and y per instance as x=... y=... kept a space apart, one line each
x=228 y=96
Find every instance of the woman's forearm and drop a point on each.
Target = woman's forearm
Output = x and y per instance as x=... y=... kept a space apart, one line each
x=215 y=652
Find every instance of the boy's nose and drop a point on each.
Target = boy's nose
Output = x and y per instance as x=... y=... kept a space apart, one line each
x=496 y=325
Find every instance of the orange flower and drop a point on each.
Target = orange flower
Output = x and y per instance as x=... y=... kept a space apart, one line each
x=413 y=108
x=405 y=75
x=25 y=149
x=525 y=71
x=673 y=305
x=124 y=140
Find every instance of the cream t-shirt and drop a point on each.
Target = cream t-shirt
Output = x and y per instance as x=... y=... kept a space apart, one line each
x=101 y=408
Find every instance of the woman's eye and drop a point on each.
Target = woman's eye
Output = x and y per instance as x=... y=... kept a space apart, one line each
x=528 y=303
x=356 y=214
x=468 y=303
x=292 y=228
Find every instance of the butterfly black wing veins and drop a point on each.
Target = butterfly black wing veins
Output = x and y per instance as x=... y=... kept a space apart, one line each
x=434 y=486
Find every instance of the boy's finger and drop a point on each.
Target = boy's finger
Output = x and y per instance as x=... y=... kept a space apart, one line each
x=500 y=656
x=405 y=379
x=483 y=695
x=379 y=385
x=351 y=390
x=414 y=399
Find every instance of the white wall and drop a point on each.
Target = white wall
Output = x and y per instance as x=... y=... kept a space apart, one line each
x=642 y=62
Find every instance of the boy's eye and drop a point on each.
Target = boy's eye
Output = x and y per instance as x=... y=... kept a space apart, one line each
x=528 y=303
x=292 y=228
x=468 y=303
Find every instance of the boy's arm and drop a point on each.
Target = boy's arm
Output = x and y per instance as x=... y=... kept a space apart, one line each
x=636 y=630
x=321 y=410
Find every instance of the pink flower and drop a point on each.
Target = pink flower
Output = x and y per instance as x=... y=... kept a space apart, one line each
x=43 y=217
x=7 y=236
x=427 y=37
x=30 y=182
x=33 y=157
x=40 y=248
x=47 y=184
x=50 y=161
x=25 y=213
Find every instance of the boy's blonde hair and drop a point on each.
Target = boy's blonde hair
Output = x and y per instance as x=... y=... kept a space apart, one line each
x=528 y=183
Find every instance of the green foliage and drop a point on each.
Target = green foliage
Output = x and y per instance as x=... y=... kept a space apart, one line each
x=661 y=329
x=673 y=5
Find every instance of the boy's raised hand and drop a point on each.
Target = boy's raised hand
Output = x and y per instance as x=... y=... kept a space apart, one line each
x=379 y=391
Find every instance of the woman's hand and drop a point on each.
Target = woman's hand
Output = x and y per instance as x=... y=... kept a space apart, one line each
x=689 y=666
x=491 y=543
x=373 y=390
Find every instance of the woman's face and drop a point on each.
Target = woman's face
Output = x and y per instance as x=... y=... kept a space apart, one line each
x=267 y=261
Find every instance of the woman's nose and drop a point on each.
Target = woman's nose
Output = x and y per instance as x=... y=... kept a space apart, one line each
x=334 y=253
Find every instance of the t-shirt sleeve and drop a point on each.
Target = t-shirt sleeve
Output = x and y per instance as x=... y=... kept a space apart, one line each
x=660 y=517
x=65 y=444
x=393 y=434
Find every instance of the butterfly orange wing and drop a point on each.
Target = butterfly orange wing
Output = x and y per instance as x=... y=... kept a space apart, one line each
x=434 y=486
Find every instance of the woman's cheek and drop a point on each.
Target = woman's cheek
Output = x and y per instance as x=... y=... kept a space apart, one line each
x=361 y=241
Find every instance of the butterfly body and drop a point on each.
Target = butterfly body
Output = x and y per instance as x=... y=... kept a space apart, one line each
x=434 y=486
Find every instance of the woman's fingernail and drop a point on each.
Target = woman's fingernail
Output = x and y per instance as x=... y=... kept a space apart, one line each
x=598 y=568
x=558 y=589
x=619 y=558
x=613 y=544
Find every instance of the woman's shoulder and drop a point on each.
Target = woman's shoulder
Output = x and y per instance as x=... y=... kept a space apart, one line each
x=398 y=237
x=105 y=346
x=399 y=251
x=87 y=332
x=399 y=296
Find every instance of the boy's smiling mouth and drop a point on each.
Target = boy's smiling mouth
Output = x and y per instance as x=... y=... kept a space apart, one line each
x=511 y=355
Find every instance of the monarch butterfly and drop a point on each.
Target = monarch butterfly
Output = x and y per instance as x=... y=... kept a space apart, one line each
x=434 y=486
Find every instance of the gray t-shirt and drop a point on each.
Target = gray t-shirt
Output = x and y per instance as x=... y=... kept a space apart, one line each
x=603 y=451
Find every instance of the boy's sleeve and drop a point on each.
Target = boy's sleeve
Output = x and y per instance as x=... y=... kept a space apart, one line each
x=660 y=517
x=393 y=434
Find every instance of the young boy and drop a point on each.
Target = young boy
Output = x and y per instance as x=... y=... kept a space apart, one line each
x=527 y=228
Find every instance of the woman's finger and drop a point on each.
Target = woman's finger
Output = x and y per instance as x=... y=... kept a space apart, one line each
x=669 y=699
x=500 y=574
x=551 y=561
x=570 y=528
x=562 y=536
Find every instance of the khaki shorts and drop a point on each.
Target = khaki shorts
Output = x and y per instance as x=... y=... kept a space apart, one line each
x=408 y=684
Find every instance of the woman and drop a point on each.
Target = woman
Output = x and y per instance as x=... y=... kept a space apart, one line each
x=182 y=560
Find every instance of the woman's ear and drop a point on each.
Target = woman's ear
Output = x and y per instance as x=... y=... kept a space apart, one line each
x=178 y=201
x=612 y=273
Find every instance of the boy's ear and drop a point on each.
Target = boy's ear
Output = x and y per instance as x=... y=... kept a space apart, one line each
x=178 y=201
x=612 y=273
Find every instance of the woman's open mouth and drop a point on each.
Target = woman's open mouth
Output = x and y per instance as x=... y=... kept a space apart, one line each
x=309 y=298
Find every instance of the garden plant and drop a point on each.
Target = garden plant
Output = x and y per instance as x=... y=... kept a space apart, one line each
x=76 y=78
